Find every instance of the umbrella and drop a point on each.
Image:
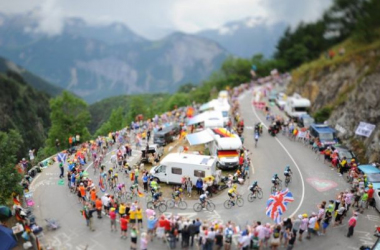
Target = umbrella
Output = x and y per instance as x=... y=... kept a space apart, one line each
x=277 y=204
x=6 y=238
x=208 y=177
x=5 y=212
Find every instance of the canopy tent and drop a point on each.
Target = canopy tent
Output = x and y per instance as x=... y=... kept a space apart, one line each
x=6 y=238
x=199 y=138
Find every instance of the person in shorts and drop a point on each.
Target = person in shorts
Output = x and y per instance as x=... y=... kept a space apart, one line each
x=123 y=226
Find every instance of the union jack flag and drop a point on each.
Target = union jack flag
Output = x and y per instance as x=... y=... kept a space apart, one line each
x=277 y=204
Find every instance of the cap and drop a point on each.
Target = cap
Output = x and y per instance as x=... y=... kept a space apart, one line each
x=304 y=215
x=300 y=216
x=113 y=209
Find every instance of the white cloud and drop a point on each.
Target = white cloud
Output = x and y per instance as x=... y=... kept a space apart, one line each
x=155 y=18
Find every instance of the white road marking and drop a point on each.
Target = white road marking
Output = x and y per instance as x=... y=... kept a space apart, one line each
x=291 y=157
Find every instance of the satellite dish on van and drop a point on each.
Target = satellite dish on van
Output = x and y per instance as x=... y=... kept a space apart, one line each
x=180 y=149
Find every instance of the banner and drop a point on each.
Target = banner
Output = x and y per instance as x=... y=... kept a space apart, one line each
x=365 y=129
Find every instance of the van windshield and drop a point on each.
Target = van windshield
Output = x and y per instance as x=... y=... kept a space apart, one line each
x=300 y=109
x=326 y=136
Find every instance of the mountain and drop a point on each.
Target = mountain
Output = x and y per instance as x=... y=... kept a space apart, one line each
x=80 y=60
x=247 y=37
x=24 y=109
x=35 y=81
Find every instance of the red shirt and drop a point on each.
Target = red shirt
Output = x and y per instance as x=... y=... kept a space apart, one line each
x=123 y=223
x=112 y=215
x=370 y=193
x=352 y=222
x=165 y=224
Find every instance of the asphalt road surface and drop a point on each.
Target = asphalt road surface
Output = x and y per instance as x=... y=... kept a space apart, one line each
x=312 y=182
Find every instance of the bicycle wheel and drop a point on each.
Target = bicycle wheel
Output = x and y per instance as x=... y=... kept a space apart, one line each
x=240 y=202
x=162 y=207
x=210 y=206
x=150 y=205
x=259 y=193
x=170 y=203
x=197 y=207
x=182 y=205
x=128 y=195
x=251 y=197
x=228 y=204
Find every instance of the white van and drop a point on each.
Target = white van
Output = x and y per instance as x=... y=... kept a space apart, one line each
x=175 y=165
x=296 y=106
x=225 y=147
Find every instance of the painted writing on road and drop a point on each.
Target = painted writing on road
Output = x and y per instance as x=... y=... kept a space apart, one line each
x=321 y=185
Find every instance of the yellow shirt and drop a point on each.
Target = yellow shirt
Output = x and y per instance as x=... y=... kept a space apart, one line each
x=122 y=209
x=139 y=214
x=132 y=215
x=232 y=190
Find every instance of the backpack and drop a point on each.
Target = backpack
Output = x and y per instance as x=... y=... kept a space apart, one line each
x=276 y=234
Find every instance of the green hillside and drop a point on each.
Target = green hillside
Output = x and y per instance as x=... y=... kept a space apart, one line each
x=35 y=81
x=24 y=109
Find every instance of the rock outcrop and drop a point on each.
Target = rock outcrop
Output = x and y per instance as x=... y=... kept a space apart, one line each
x=350 y=88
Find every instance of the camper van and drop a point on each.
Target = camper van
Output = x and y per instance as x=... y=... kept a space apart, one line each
x=225 y=147
x=175 y=165
x=296 y=106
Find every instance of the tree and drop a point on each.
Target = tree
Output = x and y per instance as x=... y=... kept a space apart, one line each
x=10 y=178
x=69 y=117
x=137 y=107
x=177 y=100
x=186 y=88
x=115 y=122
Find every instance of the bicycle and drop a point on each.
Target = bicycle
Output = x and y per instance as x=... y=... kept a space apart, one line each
x=181 y=203
x=102 y=184
x=288 y=179
x=276 y=187
x=208 y=204
x=258 y=193
x=161 y=206
x=230 y=203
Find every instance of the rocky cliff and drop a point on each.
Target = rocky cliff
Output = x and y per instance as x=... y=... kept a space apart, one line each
x=346 y=89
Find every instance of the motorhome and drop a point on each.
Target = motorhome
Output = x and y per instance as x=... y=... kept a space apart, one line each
x=176 y=165
x=209 y=119
x=225 y=147
x=296 y=106
x=222 y=144
x=220 y=105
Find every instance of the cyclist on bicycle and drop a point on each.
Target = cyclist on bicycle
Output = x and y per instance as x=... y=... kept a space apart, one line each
x=115 y=179
x=110 y=174
x=256 y=137
x=156 y=197
x=253 y=188
x=287 y=172
x=232 y=192
x=275 y=180
x=203 y=198
x=177 y=194
x=153 y=186
x=134 y=189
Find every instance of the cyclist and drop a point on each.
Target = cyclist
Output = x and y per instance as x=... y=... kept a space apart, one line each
x=134 y=189
x=275 y=180
x=288 y=172
x=156 y=197
x=256 y=138
x=153 y=185
x=115 y=179
x=232 y=192
x=203 y=198
x=253 y=188
x=177 y=194
x=110 y=174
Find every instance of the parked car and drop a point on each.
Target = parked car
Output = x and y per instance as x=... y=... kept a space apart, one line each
x=324 y=133
x=272 y=96
x=344 y=152
x=373 y=176
x=165 y=136
x=305 y=121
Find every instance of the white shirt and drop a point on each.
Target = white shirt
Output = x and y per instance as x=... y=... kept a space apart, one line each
x=312 y=222
x=244 y=240
x=105 y=201
x=261 y=231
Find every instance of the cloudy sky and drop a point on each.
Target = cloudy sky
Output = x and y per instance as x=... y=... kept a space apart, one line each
x=156 y=18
